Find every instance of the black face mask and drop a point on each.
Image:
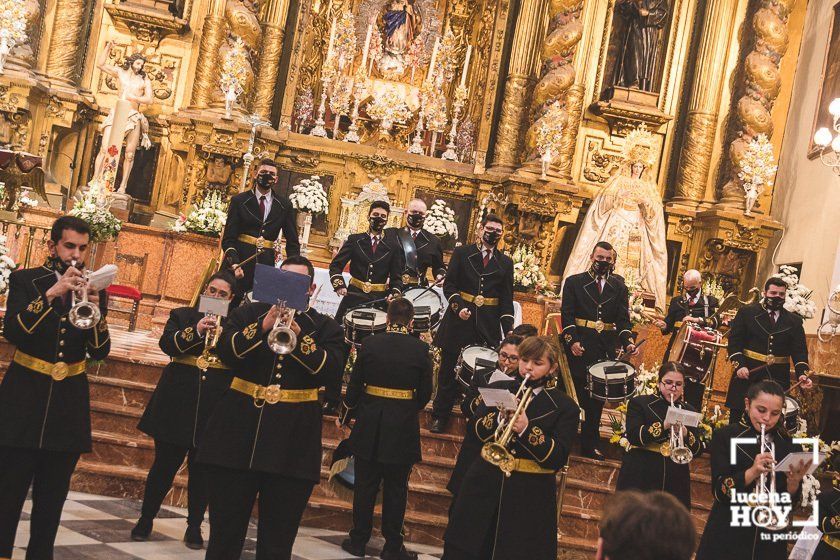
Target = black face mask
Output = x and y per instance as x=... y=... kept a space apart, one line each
x=491 y=237
x=601 y=268
x=415 y=220
x=692 y=291
x=265 y=180
x=774 y=303
x=377 y=223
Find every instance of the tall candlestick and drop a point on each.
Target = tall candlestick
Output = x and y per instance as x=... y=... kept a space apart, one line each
x=434 y=59
x=367 y=45
x=466 y=66
x=332 y=40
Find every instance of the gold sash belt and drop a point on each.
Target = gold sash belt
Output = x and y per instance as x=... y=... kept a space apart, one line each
x=386 y=393
x=766 y=358
x=256 y=241
x=58 y=370
x=190 y=360
x=597 y=325
x=367 y=287
x=272 y=394
x=530 y=467
x=479 y=300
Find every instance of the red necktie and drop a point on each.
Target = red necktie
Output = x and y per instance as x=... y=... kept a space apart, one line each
x=262 y=207
x=486 y=258
x=414 y=235
x=772 y=318
x=374 y=243
x=600 y=286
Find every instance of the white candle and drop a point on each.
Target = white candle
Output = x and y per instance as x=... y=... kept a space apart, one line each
x=466 y=66
x=434 y=59
x=332 y=40
x=367 y=45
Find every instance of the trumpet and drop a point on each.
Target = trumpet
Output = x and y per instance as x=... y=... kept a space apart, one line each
x=496 y=452
x=208 y=358
x=282 y=339
x=83 y=314
x=765 y=491
x=675 y=447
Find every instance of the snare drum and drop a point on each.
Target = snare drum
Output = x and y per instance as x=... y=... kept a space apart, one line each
x=424 y=299
x=611 y=381
x=363 y=322
x=791 y=415
x=465 y=368
x=696 y=348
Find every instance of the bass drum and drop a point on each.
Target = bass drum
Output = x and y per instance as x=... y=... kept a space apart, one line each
x=363 y=322
x=791 y=415
x=696 y=348
x=611 y=381
x=466 y=366
x=423 y=299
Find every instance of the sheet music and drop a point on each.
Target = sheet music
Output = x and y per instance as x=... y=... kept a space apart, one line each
x=213 y=305
x=498 y=398
x=688 y=418
x=793 y=460
x=102 y=278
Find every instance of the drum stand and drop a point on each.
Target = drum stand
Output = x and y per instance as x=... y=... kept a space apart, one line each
x=564 y=472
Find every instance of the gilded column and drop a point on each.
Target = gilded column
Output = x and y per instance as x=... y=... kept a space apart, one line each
x=557 y=77
x=273 y=29
x=520 y=80
x=207 y=66
x=65 y=50
x=702 y=119
x=761 y=84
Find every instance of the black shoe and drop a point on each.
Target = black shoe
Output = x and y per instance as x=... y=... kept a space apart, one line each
x=193 y=538
x=593 y=454
x=142 y=530
x=352 y=548
x=399 y=554
x=438 y=425
x=329 y=408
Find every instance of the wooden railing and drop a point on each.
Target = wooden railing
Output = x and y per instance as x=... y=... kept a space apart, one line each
x=27 y=243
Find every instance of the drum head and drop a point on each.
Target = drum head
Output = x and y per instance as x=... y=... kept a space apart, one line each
x=380 y=318
x=470 y=353
x=605 y=371
x=421 y=297
x=791 y=406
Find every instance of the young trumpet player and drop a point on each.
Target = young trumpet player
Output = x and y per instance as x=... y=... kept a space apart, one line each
x=264 y=436
x=187 y=392
x=44 y=397
x=754 y=472
x=651 y=463
x=508 y=508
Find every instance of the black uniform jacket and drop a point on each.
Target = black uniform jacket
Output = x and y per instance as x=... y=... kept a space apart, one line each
x=720 y=540
x=282 y=438
x=387 y=430
x=244 y=218
x=581 y=301
x=185 y=396
x=648 y=470
x=679 y=308
x=467 y=275
x=429 y=255
x=751 y=330
x=522 y=508
x=829 y=524
x=37 y=412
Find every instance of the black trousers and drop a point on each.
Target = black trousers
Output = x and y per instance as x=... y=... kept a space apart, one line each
x=332 y=388
x=590 y=434
x=168 y=459
x=449 y=389
x=233 y=492
x=394 y=478
x=48 y=472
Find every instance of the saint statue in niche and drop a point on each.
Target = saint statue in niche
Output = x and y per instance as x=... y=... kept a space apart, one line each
x=400 y=24
x=638 y=52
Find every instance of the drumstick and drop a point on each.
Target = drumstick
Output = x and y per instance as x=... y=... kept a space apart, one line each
x=800 y=382
x=429 y=288
x=249 y=259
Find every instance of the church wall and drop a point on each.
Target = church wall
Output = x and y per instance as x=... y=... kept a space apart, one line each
x=807 y=193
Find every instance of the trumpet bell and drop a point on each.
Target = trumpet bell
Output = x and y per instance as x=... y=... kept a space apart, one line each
x=84 y=315
x=682 y=455
x=498 y=455
x=282 y=340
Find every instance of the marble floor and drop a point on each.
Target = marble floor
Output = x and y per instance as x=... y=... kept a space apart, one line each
x=97 y=528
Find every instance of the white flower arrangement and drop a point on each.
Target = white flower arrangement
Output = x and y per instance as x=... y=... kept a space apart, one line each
x=26 y=201
x=441 y=220
x=309 y=196
x=638 y=311
x=7 y=265
x=207 y=218
x=526 y=269
x=756 y=169
x=798 y=296
x=94 y=207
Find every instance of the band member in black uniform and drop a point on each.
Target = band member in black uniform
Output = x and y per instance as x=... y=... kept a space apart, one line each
x=179 y=408
x=644 y=467
x=498 y=516
x=506 y=369
x=763 y=339
x=721 y=540
x=479 y=291
x=264 y=436
x=829 y=521
x=390 y=384
x=44 y=397
x=596 y=320
x=421 y=249
x=255 y=219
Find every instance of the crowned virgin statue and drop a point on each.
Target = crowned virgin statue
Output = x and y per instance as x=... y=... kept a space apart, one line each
x=400 y=25
x=628 y=214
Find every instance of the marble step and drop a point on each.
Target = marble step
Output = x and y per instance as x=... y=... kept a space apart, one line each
x=120 y=391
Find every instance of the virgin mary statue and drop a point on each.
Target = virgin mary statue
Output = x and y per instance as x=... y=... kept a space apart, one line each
x=628 y=214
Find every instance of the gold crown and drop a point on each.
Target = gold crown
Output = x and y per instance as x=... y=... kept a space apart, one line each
x=638 y=146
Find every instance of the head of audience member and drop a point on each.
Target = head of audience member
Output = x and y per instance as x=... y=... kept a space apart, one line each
x=378 y=215
x=221 y=285
x=602 y=259
x=539 y=357
x=764 y=404
x=265 y=175
x=400 y=313
x=672 y=381
x=301 y=265
x=69 y=242
x=491 y=230
x=509 y=354
x=415 y=213
x=692 y=281
x=645 y=526
x=525 y=330
x=775 y=291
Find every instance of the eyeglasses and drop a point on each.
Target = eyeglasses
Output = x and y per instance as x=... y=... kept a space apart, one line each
x=508 y=357
x=669 y=383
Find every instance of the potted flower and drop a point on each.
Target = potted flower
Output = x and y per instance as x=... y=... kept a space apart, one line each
x=207 y=218
x=94 y=207
x=440 y=220
x=798 y=296
x=527 y=274
x=309 y=198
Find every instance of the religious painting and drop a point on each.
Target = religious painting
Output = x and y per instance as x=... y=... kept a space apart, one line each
x=829 y=84
x=288 y=179
x=637 y=44
x=463 y=209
